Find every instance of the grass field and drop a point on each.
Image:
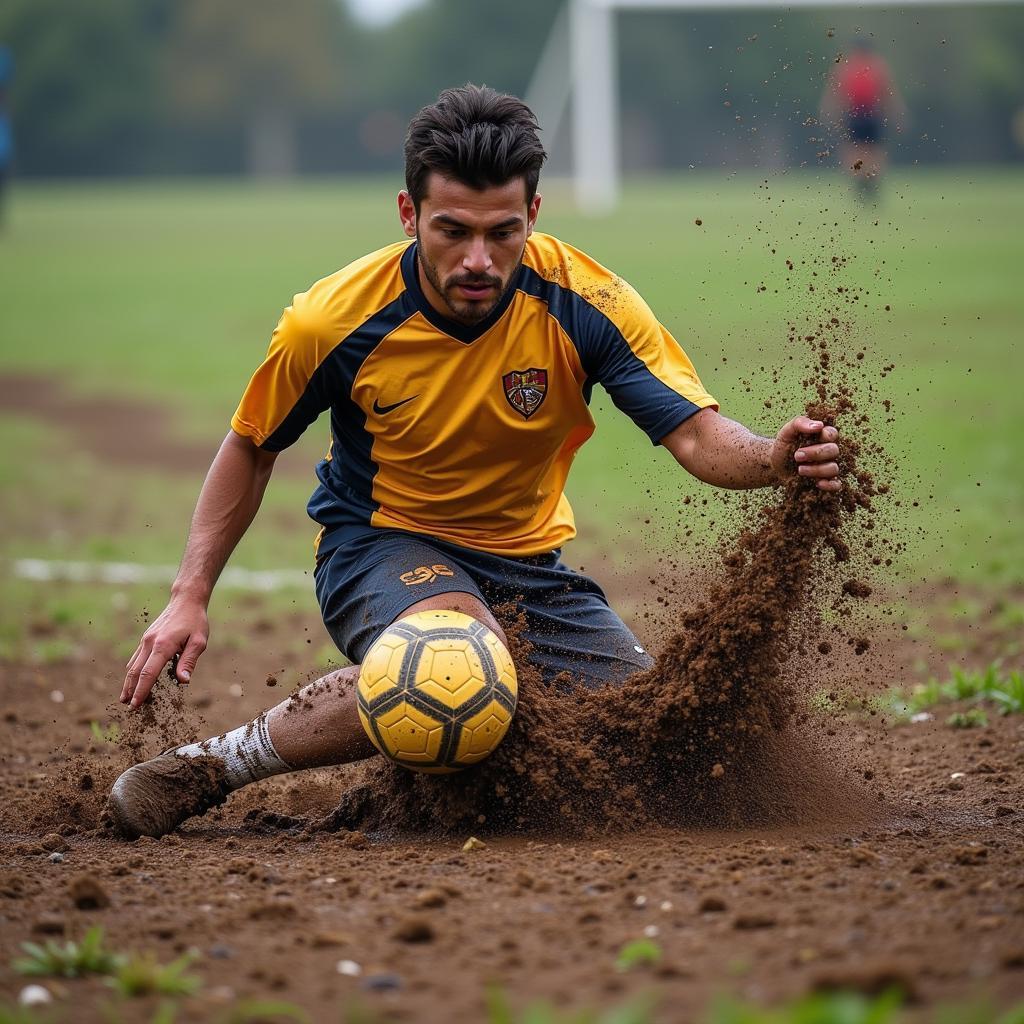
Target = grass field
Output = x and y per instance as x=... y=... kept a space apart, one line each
x=166 y=295
x=884 y=855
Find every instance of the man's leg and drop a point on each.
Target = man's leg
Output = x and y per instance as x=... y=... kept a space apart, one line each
x=316 y=727
x=320 y=726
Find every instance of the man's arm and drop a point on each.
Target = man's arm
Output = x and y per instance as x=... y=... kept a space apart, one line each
x=228 y=502
x=725 y=453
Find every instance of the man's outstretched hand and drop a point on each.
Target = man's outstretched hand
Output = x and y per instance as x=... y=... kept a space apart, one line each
x=182 y=628
x=816 y=460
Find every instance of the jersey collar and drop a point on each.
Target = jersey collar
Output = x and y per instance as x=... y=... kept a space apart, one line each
x=461 y=332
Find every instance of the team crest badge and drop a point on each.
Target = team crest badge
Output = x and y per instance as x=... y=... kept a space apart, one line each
x=525 y=390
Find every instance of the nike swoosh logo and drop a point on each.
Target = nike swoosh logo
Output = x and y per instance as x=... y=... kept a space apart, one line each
x=380 y=410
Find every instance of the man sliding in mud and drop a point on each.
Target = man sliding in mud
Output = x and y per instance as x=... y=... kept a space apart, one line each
x=458 y=369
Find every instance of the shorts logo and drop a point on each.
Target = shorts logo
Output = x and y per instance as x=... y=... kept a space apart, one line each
x=425 y=574
x=525 y=390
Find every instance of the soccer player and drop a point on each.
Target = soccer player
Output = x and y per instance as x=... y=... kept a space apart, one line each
x=860 y=102
x=457 y=369
x=6 y=132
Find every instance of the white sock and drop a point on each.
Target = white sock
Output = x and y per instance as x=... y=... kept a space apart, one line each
x=247 y=753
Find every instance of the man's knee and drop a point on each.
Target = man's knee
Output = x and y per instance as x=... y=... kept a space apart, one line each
x=458 y=601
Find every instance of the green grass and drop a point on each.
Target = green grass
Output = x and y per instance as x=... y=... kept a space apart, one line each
x=1002 y=690
x=638 y=953
x=143 y=975
x=166 y=294
x=69 y=959
x=636 y=1011
x=972 y=718
x=997 y=689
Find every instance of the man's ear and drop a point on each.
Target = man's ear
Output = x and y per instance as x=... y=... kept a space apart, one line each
x=531 y=215
x=407 y=213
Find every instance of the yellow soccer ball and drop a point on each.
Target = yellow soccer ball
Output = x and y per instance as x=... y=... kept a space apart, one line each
x=437 y=691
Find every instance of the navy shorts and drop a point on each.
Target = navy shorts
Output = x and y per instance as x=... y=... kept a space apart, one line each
x=864 y=127
x=369 y=576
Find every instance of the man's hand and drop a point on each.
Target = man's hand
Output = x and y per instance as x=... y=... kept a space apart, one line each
x=725 y=453
x=227 y=503
x=182 y=628
x=817 y=461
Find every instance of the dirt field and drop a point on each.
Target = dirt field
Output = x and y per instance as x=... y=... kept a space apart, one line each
x=920 y=884
x=875 y=854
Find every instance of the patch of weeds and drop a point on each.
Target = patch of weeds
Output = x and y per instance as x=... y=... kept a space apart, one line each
x=270 y=1011
x=1008 y=694
x=637 y=1011
x=638 y=953
x=816 y=1008
x=972 y=718
x=1005 y=691
x=142 y=975
x=68 y=960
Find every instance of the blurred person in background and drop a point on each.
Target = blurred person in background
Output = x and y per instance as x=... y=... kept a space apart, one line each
x=861 y=102
x=6 y=133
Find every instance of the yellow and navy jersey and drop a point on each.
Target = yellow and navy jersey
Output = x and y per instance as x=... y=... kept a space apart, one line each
x=463 y=433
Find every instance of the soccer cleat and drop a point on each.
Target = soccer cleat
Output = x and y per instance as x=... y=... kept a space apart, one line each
x=156 y=796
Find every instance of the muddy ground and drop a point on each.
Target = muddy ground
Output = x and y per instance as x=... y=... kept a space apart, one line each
x=918 y=879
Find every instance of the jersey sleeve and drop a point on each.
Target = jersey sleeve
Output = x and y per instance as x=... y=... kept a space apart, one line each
x=286 y=393
x=638 y=362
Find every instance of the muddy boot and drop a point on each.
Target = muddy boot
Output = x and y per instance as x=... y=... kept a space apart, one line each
x=155 y=797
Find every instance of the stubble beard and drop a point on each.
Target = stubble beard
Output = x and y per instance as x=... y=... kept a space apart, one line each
x=462 y=311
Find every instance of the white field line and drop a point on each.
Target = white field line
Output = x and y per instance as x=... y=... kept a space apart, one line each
x=43 y=570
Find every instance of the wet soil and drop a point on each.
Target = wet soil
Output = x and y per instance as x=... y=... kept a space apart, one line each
x=116 y=430
x=818 y=889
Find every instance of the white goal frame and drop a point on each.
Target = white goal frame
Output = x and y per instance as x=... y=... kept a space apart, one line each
x=578 y=62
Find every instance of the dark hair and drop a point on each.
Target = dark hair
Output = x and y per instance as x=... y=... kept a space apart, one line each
x=474 y=135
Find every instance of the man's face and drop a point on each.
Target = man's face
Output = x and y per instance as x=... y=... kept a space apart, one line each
x=470 y=243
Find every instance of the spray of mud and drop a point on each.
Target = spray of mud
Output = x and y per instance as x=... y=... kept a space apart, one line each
x=694 y=740
x=75 y=801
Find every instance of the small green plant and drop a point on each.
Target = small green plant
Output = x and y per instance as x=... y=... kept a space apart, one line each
x=1008 y=694
x=261 y=1011
x=638 y=953
x=637 y=1011
x=970 y=719
x=846 y=1007
x=68 y=960
x=816 y=1008
x=142 y=975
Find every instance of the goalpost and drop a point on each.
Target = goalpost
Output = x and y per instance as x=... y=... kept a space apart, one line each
x=579 y=62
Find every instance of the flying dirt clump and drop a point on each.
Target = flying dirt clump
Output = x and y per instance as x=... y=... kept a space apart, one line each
x=662 y=745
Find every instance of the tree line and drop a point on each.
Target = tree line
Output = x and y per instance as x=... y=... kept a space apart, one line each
x=166 y=87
